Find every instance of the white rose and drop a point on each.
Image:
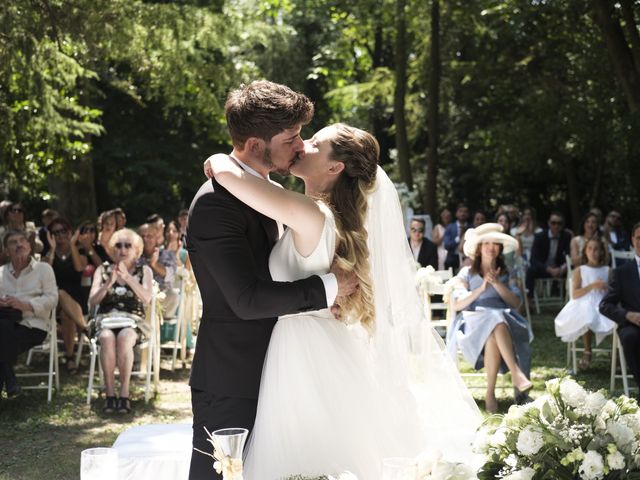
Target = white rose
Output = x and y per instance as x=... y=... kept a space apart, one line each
x=482 y=441
x=592 y=467
x=452 y=471
x=529 y=442
x=622 y=434
x=615 y=461
x=499 y=438
x=526 y=473
x=593 y=403
x=572 y=393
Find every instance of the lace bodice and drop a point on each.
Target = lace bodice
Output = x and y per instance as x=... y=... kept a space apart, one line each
x=286 y=264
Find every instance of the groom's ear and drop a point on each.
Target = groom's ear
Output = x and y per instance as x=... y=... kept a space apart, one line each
x=254 y=145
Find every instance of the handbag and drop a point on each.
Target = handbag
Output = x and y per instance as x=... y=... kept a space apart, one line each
x=9 y=314
x=116 y=319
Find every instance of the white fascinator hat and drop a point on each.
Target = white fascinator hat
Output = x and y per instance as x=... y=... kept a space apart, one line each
x=488 y=232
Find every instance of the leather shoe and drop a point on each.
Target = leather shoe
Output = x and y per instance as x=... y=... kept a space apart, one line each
x=14 y=390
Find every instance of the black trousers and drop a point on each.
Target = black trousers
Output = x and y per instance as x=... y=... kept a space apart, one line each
x=215 y=412
x=630 y=338
x=15 y=339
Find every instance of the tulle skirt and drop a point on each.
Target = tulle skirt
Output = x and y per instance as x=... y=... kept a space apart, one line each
x=329 y=404
x=581 y=315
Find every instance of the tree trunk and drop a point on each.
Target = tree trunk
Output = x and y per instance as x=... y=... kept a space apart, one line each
x=595 y=194
x=619 y=51
x=430 y=200
x=74 y=191
x=574 y=194
x=632 y=30
x=402 y=143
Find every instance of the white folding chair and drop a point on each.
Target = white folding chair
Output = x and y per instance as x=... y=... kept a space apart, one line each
x=147 y=369
x=542 y=292
x=617 y=255
x=181 y=322
x=50 y=347
x=617 y=353
x=430 y=307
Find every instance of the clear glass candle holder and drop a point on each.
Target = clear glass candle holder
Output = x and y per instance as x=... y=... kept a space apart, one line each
x=399 y=468
x=99 y=464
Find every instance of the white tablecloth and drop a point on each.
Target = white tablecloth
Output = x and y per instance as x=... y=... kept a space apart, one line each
x=155 y=452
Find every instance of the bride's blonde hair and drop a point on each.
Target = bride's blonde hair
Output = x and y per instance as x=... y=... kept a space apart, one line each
x=359 y=151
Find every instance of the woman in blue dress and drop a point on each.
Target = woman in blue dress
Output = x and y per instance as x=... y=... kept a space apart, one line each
x=488 y=330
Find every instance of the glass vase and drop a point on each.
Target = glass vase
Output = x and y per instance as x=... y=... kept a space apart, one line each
x=229 y=445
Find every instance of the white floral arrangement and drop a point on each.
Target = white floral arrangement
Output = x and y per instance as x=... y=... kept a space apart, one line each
x=568 y=433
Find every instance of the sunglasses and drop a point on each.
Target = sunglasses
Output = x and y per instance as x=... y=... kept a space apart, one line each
x=16 y=210
x=61 y=231
x=417 y=230
x=125 y=245
x=555 y=223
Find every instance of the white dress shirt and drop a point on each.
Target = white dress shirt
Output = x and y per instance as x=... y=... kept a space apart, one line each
x=35 y=284
x=328 y=279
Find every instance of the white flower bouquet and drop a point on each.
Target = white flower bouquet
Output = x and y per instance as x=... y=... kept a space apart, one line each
x=568 y=433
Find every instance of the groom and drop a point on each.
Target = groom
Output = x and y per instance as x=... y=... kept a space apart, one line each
x=229 y=246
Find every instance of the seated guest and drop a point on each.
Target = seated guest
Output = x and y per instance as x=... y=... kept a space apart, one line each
x=479 y=218
x=488 y=330
x=550 y=247
x=28 y=294
x=121 y=218
x=107 y=224
x=589 y=230
x=121 y=289
x=157 y=223
x=614 y=233
x=622 y=305
x=424 y=250
x=183 y=218
x=68 y=261
x=14 y=219
x=581 y=317
x=163 y=265
x=437 y=236
x=453 y=236
x=47 y=215
x=526 y=231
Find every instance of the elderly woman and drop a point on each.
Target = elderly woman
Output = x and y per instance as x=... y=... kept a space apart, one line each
x=28 y=294
x=489 y=331
x=121 y=289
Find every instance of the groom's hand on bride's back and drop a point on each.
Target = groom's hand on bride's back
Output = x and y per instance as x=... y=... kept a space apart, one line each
x=347 y=284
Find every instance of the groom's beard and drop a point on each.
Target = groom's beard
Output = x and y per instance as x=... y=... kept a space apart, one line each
x=266 y=159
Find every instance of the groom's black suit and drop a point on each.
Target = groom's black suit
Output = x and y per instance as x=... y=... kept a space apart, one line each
x=229 y=245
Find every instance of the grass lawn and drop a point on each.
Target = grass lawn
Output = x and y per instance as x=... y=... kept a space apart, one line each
x=44 y=441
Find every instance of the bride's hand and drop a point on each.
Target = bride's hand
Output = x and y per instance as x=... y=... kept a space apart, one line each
x=220 y=163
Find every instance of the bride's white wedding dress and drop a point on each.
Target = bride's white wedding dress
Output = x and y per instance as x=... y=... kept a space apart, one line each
x=332 y=399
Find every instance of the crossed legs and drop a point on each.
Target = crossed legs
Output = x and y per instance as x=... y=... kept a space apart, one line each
x=497 y=348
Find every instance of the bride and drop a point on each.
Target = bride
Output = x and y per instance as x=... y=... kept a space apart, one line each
x=343 y=394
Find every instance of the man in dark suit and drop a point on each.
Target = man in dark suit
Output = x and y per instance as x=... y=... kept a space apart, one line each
x=548 y=252
x=454 y=236
x=229 y=246
x=622 y=305
x=424 y=250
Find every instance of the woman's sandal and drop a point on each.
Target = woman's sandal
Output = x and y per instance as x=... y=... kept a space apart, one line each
x=585 y=361
x=110 y=405
x=70 y=365
x=124 y=405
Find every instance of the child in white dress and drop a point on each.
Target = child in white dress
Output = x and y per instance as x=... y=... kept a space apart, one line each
x=581 y=317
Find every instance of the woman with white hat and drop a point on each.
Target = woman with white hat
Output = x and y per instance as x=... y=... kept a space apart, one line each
x=488 y=330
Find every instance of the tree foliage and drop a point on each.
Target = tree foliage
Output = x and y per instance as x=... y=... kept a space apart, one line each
x=533 y=107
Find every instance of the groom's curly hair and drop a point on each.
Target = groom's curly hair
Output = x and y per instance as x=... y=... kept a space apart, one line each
x=264 y=109
x=359 y=151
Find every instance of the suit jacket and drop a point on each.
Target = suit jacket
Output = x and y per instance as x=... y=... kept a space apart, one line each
x=540 y=249
x=428 y=254
x=623 y=295
x=229 y=245
x=451 y=245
